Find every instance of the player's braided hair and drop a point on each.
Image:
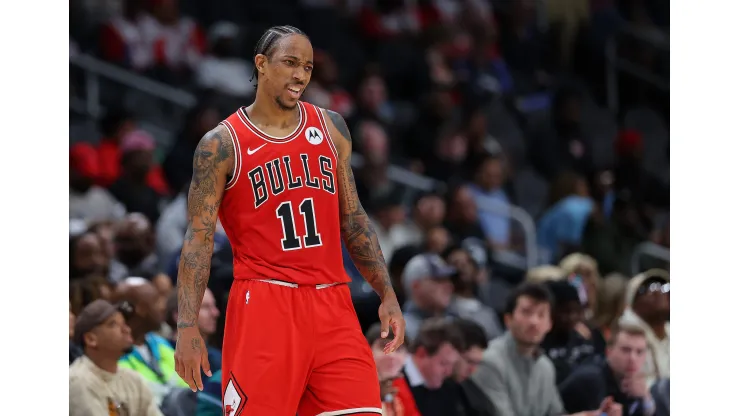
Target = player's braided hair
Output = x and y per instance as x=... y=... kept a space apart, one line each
x=267 y=42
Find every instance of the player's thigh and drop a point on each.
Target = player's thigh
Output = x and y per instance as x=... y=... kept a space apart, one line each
x=344 y=379
x=265 y=364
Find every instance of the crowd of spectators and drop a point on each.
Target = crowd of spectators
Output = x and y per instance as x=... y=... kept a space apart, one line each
x=501 y=103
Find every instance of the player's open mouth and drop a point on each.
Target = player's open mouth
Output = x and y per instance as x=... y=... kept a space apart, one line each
x=295 y=92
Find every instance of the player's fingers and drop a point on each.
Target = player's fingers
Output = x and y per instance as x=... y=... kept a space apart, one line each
x=195 y=374
x=178 y=366
x=205 y=363
x=187 y=376
x=384 y=325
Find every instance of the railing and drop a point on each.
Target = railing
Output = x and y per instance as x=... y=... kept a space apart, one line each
x=648 y=249
x=95 y=70
x=615 y=64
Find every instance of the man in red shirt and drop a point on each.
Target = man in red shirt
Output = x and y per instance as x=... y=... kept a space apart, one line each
x=278 y=176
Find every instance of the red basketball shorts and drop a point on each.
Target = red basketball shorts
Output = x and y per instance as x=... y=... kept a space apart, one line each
x=296 y=350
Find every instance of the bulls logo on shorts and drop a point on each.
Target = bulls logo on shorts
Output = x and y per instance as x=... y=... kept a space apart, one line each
x=314 y=136
x=234 y=398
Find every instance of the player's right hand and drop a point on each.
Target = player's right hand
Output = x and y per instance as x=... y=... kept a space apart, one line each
x=191 y=355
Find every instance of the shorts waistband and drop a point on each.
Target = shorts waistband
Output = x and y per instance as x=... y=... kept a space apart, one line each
x=296 y=285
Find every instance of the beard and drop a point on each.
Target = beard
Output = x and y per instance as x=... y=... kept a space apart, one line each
x=284 y=106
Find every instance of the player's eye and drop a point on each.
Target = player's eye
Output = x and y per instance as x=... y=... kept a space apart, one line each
x=309 y=68
x=289 y=62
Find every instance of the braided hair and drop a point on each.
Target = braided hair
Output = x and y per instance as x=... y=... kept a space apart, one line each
x=266 y=44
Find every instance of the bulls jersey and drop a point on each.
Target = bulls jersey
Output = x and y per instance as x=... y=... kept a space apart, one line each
x=280 y=209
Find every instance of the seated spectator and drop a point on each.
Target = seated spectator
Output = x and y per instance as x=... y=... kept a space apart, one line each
x=488 y=191
x=649 y=306
x=152 y=356
x=561 y=227
x=133 y=188
x=116 y=125
x=426 y=282
x=620 y=376
x=389 y=369
x=462 y=215
x=564 y=345
x=324 y=90
x=587 y=270
x=425 y=388
x=464 y=303
x=122 y=41
x=515 y=375
x=134 y=242
x=75 y=351
x=610 y=305
x=86 y=200
x=207 y=323
x=542 y=274
x=97 y=384
x=437 y=240
x=222 y=70
x=428 y=212
x=474 y=400
x=86 y=256
x=387 y=218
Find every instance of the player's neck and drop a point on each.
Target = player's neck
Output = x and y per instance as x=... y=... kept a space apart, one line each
x=266 y=112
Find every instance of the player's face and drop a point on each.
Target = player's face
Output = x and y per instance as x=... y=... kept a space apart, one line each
x=288 y=72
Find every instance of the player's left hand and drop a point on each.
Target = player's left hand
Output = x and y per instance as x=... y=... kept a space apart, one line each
x=391 y=318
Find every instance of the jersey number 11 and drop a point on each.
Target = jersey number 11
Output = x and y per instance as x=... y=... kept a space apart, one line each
x=291 y=240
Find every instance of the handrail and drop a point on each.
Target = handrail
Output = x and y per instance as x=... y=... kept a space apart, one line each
x=521 y=216
x=94 y=68
x=649 y=249
x=614 y=63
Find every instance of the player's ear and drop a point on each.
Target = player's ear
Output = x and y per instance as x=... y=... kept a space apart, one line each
x=260 y=61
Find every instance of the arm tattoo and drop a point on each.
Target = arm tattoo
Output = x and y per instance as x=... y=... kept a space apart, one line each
x=357 y=232
x=212 y=162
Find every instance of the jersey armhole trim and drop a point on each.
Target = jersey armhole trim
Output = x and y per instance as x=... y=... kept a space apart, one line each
x=237 y=155
x=325 y=125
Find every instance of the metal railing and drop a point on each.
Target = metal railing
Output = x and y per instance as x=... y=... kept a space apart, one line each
x=95 y=70
x=648 y=249
x=615 y=64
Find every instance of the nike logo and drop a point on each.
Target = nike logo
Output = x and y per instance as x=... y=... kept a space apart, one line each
x=253 y=151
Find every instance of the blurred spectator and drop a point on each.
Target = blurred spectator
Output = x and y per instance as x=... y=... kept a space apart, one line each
x=396 y=265
x=648 y=306
x=383 y=19
x=462 y=215
x=84 y=291
x=472 y=397
x=612 y=241
x=514 y=374
x=324 y=90
x=446 y=161
x=567 y=18
x=86 y=256
x=560 y=229
x=133 y=188
x=428 y=212
x=387 y=218
x=563 y=145
x=584 y=268
x=207 y=321
x=74 y=350
x=86 y=200
x=464 y=303
x=122 y=41
x=152 y=356
x=134 y=240
x=221 y=69
x=619 y=377
x=115 y=125
x=480 y=142
x=632 y=174
x=611 y=303
x=97 y=384
x=389 y=369
x=426 y=282
x=209 y=402
x=426 y=388
x=564 y=345
x=542 y=274
x=178 y=43
x=524 y=46
x=437 y=240
x=661 y=393
x=178 y=164
x=488 y=191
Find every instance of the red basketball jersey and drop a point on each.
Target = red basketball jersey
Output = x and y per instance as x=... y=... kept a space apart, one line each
x=280 y=209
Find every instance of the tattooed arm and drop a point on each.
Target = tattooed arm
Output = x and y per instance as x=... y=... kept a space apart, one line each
x=359 y=235
x=357 y=232
x=212 y=165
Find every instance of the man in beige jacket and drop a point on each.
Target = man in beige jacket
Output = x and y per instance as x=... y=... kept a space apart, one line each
x=97 y=387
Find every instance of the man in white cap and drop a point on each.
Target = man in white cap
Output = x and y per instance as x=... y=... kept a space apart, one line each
x=426 y=281
x=648 y=303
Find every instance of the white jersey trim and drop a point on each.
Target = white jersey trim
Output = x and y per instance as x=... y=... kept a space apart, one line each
x=242 y=113
x=325 y=126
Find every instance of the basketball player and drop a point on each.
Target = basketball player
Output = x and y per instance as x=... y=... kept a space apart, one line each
x=277 y=174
